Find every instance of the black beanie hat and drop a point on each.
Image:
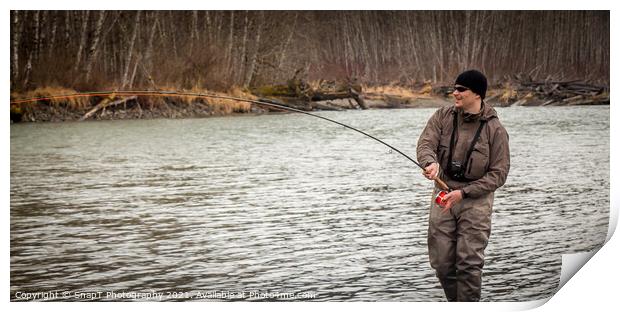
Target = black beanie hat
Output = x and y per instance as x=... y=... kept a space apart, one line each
x=474 y=80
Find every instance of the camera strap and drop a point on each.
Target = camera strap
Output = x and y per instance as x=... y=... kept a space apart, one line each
x=473 y=143
x=453 y=141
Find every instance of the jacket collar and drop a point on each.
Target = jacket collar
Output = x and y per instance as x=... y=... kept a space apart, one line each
x=486 y=112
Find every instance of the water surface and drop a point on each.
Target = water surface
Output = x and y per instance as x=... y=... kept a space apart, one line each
x=289 y=204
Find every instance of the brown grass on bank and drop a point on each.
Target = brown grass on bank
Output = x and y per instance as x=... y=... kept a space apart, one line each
x=506 y=93
x=379 y=92
x=156 y=102
x=73 y=103
x=217 y=105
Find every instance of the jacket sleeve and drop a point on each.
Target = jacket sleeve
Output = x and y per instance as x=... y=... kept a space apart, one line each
x=429 y=140
x=499 y=165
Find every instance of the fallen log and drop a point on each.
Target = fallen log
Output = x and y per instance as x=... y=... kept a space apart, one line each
x=106 y=103
x=304 y=106
x=326 y=106
x=351 y=94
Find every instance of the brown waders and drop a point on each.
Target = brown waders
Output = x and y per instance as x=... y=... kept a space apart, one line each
x=456 y=243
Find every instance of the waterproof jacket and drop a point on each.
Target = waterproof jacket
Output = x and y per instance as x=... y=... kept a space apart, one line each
x=488 y=166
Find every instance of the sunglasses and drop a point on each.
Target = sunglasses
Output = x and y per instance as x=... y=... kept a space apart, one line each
x=461 y=89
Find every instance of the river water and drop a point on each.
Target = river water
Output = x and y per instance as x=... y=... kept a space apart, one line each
x=261 y=207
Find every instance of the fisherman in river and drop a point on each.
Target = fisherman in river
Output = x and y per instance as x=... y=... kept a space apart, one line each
x=467 y=146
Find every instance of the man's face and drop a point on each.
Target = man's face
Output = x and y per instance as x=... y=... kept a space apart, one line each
x=464 y=97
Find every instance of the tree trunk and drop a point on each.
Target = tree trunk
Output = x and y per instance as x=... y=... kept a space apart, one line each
x=67 y=28
x=36 y=42
x=50 y=49
x=244 y=42
x=229 y=54
x=208 y=29
x=42 y=35
x=135 y=69
x=348 y=47
x=33 y=51
x=15 y=34
x=250 y=73
x=136 y=26
x=84 y=35
x=287 y=42
x=194 y=32
x=27 y=71
x=174 y=40
x=148 y=56
x=366 y=55
x=92 y=51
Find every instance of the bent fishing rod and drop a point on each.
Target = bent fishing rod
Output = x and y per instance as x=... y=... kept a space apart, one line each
x=441 y=183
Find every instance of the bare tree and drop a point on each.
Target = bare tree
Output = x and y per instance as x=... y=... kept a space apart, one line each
x=251 y=70
x=242 y=56
x=132 y=42
x=15 y=38
x=94 y=46
x=229 y=50
x=50 y=49
x=149 y=50
x=83 y=37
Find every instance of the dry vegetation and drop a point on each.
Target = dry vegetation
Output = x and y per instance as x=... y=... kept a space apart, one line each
x=140 y=106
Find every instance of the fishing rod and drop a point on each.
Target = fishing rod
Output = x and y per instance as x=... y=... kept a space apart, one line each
x=441 y=183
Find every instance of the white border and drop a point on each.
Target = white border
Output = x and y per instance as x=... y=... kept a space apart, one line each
x=594 y=286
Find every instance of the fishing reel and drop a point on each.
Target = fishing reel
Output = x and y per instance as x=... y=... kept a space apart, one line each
x=440 y=197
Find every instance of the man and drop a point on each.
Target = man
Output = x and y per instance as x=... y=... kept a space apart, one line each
x=467 y=146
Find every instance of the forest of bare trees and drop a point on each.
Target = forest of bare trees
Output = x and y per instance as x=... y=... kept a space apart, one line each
x=217 y=50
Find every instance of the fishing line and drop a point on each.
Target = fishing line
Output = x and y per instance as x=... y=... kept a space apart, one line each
x=216 y=96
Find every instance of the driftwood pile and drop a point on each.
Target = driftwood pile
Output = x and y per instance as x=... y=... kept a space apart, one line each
x=326 y=95
x=560 y=93
x=518 y=91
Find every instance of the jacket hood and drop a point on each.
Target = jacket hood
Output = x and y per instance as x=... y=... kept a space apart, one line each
x=488 y=111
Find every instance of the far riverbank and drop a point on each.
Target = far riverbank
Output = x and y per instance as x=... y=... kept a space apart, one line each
x=76 y=106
